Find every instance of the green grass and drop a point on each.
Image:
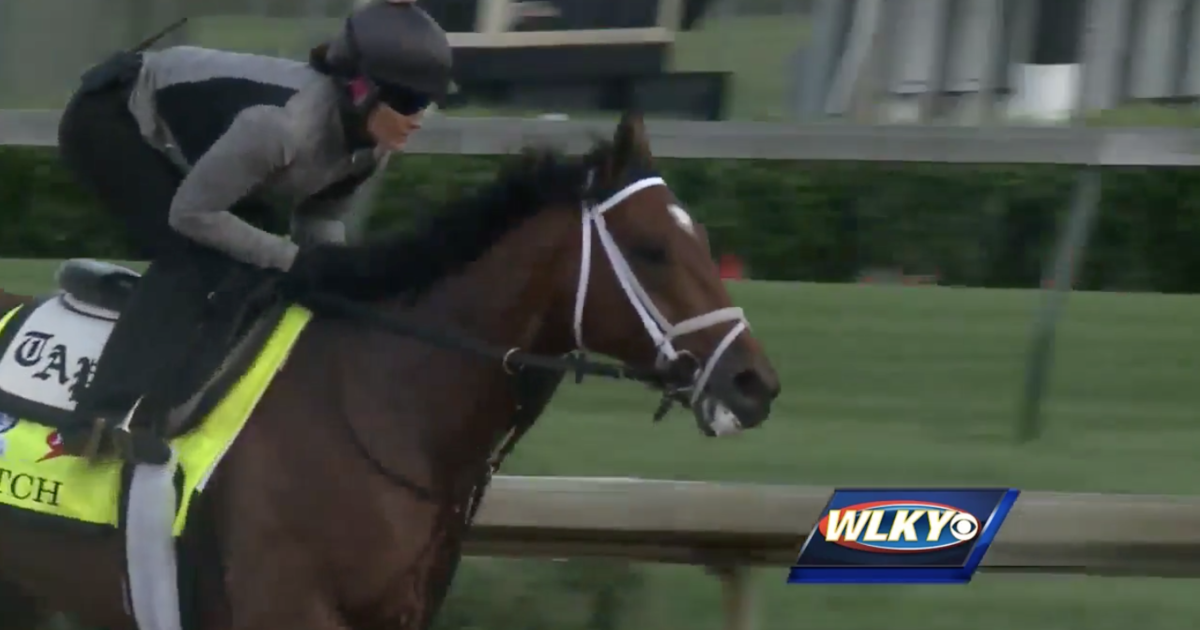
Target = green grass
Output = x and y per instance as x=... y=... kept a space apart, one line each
x=911 y=386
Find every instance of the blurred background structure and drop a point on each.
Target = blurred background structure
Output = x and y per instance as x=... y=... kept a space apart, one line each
x=897 y=60
x=896 y=299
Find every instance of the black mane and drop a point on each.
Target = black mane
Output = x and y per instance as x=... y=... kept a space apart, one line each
x=449 y=239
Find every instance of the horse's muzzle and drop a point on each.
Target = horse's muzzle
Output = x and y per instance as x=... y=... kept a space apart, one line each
x=743 y=385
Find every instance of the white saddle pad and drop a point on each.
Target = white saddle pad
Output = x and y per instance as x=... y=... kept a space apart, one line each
x=52 y=354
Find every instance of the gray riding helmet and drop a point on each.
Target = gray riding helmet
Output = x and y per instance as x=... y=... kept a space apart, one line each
x=397 y=46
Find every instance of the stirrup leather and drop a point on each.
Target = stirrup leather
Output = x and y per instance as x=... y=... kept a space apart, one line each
x=122 y=435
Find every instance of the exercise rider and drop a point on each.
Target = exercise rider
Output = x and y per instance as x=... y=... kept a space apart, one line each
x=196 y=151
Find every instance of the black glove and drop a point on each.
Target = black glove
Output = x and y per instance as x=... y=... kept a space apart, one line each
x=441 y=244
x=321 y=269
x=303 y=277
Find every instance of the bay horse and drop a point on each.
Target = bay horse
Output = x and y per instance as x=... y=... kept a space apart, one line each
x=344 y=502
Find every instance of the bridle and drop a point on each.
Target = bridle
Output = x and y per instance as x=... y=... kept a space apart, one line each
x=513 y=360
x=661 y=331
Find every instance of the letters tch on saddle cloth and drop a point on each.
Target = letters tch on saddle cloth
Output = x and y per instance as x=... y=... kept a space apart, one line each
x=47 y=349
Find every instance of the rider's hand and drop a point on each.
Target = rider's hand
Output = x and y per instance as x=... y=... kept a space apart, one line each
x=304 y=276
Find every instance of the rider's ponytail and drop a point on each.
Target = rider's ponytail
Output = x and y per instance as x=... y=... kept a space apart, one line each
x=318 y=59
x=326 y=59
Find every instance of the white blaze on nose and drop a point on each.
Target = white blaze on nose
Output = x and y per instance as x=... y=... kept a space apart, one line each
x=724 y=421
x=682 y=218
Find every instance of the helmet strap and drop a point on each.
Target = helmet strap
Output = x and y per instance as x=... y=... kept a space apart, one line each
x=362 y=91
x=359 y=97
x=364 y=94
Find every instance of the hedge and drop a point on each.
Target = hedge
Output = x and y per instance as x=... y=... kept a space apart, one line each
x=991 y=226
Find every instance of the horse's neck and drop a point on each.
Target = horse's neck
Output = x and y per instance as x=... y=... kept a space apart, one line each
x=449 y=407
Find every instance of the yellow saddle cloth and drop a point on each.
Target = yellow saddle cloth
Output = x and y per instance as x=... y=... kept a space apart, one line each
x=35 y=476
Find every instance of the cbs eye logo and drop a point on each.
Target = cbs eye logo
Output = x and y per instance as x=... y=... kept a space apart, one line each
x=964 y=526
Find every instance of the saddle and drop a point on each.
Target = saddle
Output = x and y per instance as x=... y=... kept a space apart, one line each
x=49 y=354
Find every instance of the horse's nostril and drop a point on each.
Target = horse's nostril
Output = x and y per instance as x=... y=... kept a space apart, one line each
x=749 y=383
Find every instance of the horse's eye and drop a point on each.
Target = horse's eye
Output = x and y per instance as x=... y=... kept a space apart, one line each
x=653 y=254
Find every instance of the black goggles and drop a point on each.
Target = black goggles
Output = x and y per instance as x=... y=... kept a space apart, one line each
x=406 y=102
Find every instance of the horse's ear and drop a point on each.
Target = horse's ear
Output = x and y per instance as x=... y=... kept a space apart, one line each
x=630 y=144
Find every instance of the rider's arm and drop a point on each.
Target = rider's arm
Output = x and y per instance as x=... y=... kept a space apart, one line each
x=254 y=148
x=321 y=220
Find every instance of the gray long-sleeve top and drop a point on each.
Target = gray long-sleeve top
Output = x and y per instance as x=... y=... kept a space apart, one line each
x=251 y=127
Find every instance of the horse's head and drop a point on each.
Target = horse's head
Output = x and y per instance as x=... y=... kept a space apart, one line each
x=623 y=269
x=644 y=289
